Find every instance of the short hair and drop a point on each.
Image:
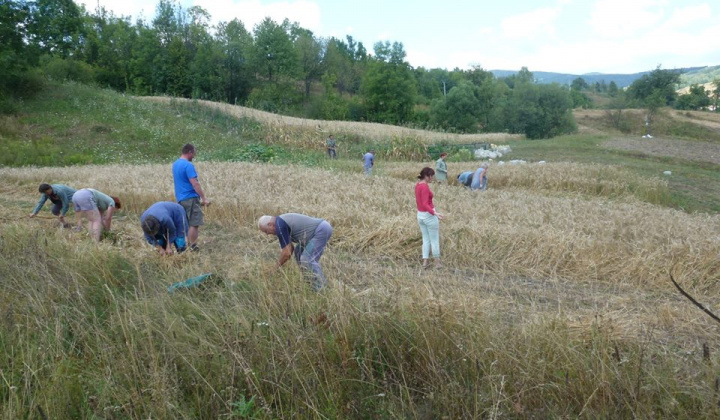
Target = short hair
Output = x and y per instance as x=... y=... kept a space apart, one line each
x=443 y=154
x=188 y=148
x=484 y=165
x=151 y=225
x=44 y=187
x=264 y=221
x=118 y=204
x=426 y=171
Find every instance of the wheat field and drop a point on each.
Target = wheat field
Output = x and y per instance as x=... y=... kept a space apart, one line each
x=554 y=301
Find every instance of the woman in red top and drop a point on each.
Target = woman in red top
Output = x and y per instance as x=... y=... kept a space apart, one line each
x=428 y=219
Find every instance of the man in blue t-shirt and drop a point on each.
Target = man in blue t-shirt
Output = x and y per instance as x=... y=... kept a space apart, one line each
x=189 y=193
x=165 y=223
x=303 y=236
x=368 y=162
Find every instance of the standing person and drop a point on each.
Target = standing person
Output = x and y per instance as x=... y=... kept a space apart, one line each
x=61 y=197
x=331 y=145
x=97 y=207
x=368 y=162
x=309 y=233
x=427 y=218
x=441 y=168
x=189 y=193
x=465 y=178
x=479 y=178
x=165 y=224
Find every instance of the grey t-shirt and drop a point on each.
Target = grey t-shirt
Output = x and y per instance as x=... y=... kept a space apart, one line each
x=301 y=228
x=102 y=200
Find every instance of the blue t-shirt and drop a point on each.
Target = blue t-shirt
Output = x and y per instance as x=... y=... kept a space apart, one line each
x=463 y=177
x=369 y=160
x=183 y=171
x=477 y=179
x=173 y=222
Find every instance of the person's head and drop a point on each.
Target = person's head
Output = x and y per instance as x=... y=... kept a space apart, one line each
x=484 y=166
x=372 y=152
x=188 y=151
x=151 y=225
x=331 y=136
x=118 y=204
x=443 y=155
x=45 y=189
x=426 y=174
x=266 y=224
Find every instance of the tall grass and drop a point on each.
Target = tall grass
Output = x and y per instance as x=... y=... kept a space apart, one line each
x=555 y=302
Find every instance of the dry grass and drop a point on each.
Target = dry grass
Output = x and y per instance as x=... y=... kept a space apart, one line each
x=555 y=301
x=297 y=126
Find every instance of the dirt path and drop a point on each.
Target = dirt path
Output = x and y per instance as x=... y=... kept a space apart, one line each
x=664 y=147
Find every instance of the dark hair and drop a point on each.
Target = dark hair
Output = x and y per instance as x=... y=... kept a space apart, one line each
x=188 y=148
x=151 y=225
x=426 y=172
x=44 y=187
x=443 y=154
x=118 y=204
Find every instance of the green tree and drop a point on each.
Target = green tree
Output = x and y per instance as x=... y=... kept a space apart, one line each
x=310 y=50
x=274 y=54
x=14 y=17
x=697 y=98
x=237 y=44
x=388 y=87
x=612 y=89
x=579 y=84
x=458 y=110
x=55 y=27
x=658 y=84
x=540 y=111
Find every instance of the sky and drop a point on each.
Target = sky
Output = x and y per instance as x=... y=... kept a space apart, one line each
x=565 y=36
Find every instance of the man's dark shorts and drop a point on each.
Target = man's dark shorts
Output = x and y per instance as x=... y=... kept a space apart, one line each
x=194 y=211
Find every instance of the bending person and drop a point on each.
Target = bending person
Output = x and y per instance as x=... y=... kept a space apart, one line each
x=427 y=218
x=165 y=224
x=97 y=207
x=465 y=178
x=58 y=194
x=303 y=236
x=479 y=178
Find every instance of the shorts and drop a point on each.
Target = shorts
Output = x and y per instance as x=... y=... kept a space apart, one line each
x=84 y=200
x=193 y=210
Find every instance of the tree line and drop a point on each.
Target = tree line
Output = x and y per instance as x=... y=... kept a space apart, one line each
x=283 y=67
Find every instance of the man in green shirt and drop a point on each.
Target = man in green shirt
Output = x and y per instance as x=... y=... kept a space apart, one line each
x=61 y=197
x=330 y=145
x=441 y=168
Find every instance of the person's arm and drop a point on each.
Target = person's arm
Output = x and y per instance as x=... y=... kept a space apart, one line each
x=198 y=189
x=39 y=206
x=285 y=255
x=107 y=217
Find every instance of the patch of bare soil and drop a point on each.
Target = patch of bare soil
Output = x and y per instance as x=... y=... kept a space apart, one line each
x=683 y=149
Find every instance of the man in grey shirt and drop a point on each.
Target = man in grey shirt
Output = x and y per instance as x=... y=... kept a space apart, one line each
x=303 y=236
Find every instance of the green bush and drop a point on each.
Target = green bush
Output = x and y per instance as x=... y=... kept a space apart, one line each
x=62 y=70
x=254 y=153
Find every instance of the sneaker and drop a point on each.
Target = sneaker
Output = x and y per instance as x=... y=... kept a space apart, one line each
x=194 y=248
x=426 y=265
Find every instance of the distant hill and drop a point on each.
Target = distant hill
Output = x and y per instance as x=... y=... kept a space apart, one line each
x=621 y=80
x=702 y=76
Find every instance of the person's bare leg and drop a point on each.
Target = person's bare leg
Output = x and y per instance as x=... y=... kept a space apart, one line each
x=95 y=223
x=192 y=235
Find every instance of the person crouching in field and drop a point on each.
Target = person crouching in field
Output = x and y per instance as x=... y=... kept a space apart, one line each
x=427 y=218
x=479 y=178
x=61 y=197
x=303 y=236
x=97 y=207
x=165 y=224
x=465 y=178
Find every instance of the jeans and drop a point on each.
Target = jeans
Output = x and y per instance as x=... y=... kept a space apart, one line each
x=308 y=256
x=331 y=153
x=430 y=228
x=482 y=185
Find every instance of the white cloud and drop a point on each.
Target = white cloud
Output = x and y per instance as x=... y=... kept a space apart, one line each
x=536 y=22
x=252 y=12
x=133 y=8
x=624 y=18
x=687 y=16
